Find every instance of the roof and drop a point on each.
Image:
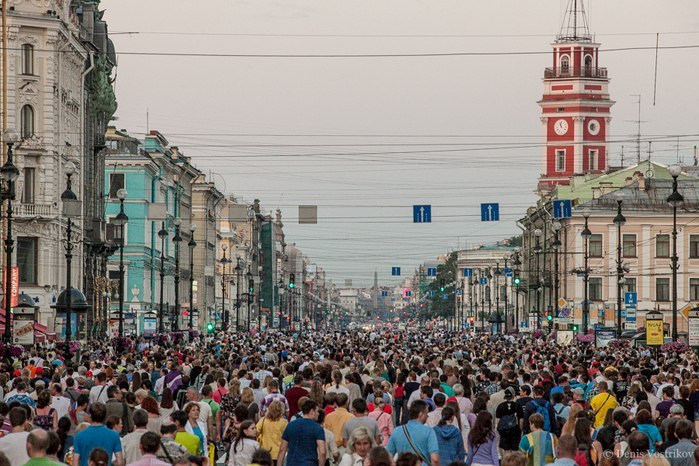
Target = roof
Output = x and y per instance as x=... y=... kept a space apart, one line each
x=649 y=195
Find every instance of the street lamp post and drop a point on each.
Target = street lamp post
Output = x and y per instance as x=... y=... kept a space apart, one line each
x=251 y=300
x=224 y=312
x=177 y=239
x=675 y=199
x=537 y=252
x=9 y=173
x=619 y=221
x=556 y=246
x=120 y=221
x=162 y=234
x=504 y=296
x=192 y=244
x=238 y=270
x=497 y=273
x=69 y=199
x=482 y=274
x=280 y=292
x=586 y=233
x=516 y=262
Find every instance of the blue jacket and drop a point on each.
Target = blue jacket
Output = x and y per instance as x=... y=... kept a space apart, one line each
x=451 y=444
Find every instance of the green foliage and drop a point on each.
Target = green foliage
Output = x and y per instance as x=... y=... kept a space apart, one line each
x=442 y=303
x=104 y=99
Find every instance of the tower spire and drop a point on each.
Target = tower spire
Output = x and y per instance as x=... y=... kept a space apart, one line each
x=575 y=27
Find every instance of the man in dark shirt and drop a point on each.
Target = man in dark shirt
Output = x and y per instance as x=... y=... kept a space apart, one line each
x=524 y=396
x=531 y=408
x=304 y=439
x=663 y=408
x=294 y=394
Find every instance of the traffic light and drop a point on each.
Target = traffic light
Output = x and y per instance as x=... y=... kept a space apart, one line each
x=292 y=280
x=210 y=327
x=549 y=317
x=441 y=285
x=573 y=327
x=517 y=280
x=185 y=313
x=251 y=287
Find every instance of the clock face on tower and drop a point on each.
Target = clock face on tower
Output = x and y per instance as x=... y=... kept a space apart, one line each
x=560 y=127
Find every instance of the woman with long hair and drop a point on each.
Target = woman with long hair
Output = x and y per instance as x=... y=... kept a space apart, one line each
x=644 y=421
x=244 y=445
x=358 y=445
x=383 y=420
x=316 y=394
x=398 y=397
x=167 y=405
x=271 y=427
x=591 y=450
x=482 y=448
x=98 y=457
x=135 y=381
x=45 y=416
x=247 y=399
x=451 y=444
x=149 y=405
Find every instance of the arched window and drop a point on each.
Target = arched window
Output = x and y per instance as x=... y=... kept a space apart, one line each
x=565 y=64
x=588 y=65
x=27 y=122
x=27 y=59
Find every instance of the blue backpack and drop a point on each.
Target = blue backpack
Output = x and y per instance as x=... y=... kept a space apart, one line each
x=544 y=411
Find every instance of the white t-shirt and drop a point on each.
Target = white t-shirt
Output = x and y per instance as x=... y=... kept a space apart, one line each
x=98 y=393
x=14 y=446
x=61 y=404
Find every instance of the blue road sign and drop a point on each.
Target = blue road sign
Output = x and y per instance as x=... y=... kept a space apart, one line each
x=431 y=293
x=422 y=213
x=630 y=298
x=445 y=296
x=431 y=271
x=458 y=292
x=395 y=271
x=562 y=208
x=384 y=293
x=490 y=212
x=508 y=272
x=408 y=293
x=484 y=281
x=468 y=273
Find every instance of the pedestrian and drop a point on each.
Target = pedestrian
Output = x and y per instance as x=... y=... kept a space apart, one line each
x=131 y=442
x=644 y=420
x=539 y=445
x=482 y=447
x=383 y=420
x=589 y=452
x=244 y=445
x=270 y=429
x=97 y=435
x=508 y=416
x=451 y=444
x=566 y=451
x=148 y=445
x=304 y=439
x=359 y=443
x=415 y=437
x=681 y=453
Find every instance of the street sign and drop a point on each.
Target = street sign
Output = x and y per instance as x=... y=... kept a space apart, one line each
x=490 y=212
x=685 y=310
x=630 y=298
x=422 y=213
x=508 y=272
x=431 y=293
x=484 y=281
x=458 y=292
x=384 y=293
x=562 y=208
x=445 y=296
x=431 y=271
x=654 y=328
x=562 y=302
x=395 y=271
x=693 y=327
x=408 y=293
x=468 y=273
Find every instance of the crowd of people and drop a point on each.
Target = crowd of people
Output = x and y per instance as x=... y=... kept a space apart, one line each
x=350 y=398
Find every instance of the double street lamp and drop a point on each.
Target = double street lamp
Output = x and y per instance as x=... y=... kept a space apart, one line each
x=9 y=173
x=162 y=234
x=224 y=312
x=675 y=200
x=120 y=221
x=586 y=233
x=556 y=246
x=619 y=221
x=71 y=208
x=537 y=253
x=177 y=239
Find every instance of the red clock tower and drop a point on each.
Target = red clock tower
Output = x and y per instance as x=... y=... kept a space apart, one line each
x=575 y=106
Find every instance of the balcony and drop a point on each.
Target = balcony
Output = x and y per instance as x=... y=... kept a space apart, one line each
x=35 y=210
x=586 y=72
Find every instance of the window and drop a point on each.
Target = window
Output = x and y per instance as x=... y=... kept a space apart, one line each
x=27 y=59
x=694 y=246
x=662 y=289
x=595 y=292
x=27 y=122
x=592 y=159
x=595 y=247
x=662 y=246
x=27 y=260
x=113 y=232
x=588 y=65
x=116 y=182
x=630 y=285
x=29 y=184
x=628 y=245
x=565 y=64
x=694 y=289
x=560 y=160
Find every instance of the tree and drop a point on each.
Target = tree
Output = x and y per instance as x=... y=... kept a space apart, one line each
x=441 y=304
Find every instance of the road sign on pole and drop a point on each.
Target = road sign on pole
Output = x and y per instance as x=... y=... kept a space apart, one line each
x=431 y=271
x=422 y=213
x=562 y=208
x=490 y=212
x=508 y=272
x=630 y=298
x=395 y=271
x=484 y=281
x=468 y=273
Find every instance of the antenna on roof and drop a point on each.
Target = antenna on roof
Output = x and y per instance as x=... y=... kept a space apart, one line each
x=575 y=27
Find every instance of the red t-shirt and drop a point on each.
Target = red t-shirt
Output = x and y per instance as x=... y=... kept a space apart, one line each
x=293 y=395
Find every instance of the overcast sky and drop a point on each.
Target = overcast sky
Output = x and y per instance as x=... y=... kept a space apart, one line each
x=365 y=138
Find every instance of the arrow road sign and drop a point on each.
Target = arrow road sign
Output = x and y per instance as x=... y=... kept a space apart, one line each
x=508 y=272
x=562 y=208
x=484 y=281
x=431 y=271
x=458 y=292
x=490 y=212
x=422 y=213
x=630 y=298
x=468 y=273
x=431 y=293
x=395 y=271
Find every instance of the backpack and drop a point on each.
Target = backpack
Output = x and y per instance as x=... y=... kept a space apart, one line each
x=507 y=422
x=582 y=456
x=560 y=420
x=544 y=411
